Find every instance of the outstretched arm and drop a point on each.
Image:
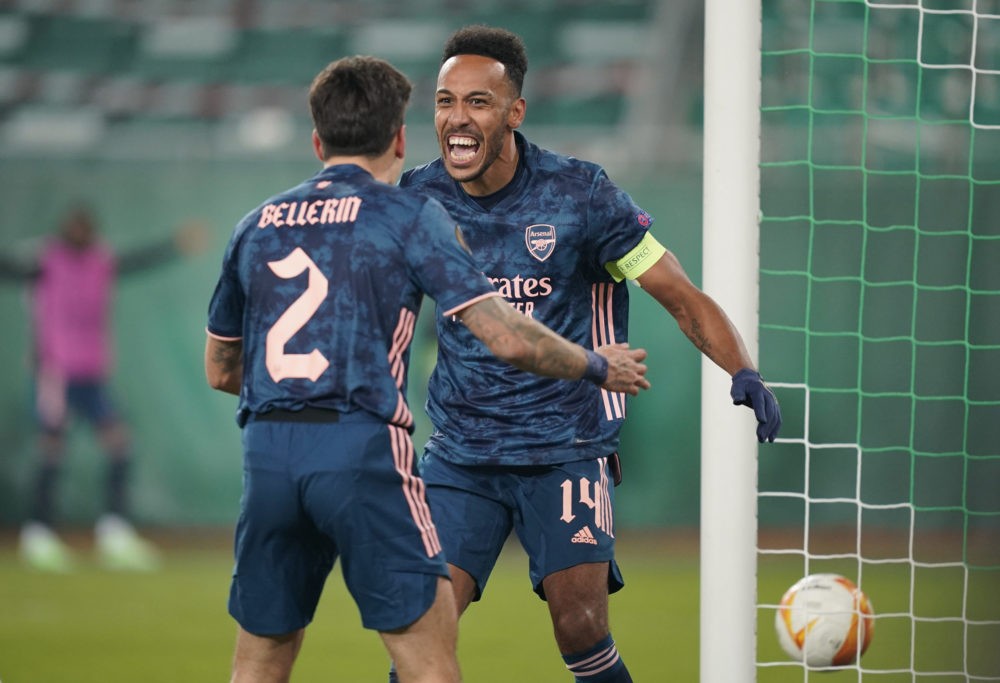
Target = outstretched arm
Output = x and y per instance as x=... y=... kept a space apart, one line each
x=188 y=239
x=224 y=364
x=709 y=328
x=18 y=270
x=530 y=346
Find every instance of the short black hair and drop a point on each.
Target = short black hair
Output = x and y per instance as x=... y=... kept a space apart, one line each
x=496 y=43
x=358 y=105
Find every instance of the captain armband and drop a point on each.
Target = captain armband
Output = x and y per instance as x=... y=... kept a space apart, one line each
x=638 y=261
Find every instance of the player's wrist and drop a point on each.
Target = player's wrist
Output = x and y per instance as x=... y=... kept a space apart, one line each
x=597 y=368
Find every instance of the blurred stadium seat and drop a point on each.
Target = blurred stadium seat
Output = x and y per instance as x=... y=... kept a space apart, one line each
x=113 y=68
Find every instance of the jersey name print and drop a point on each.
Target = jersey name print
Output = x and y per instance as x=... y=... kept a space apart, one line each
x=336 y=268
x=316 y=212
x=544 y=246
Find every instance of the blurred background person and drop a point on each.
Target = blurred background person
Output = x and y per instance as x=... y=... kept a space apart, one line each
x=73 y=280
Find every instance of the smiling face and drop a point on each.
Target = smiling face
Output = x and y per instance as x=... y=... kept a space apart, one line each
x=475 y=114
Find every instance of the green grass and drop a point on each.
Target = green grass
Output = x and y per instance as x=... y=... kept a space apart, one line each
x=170 y=626
x=96 y=626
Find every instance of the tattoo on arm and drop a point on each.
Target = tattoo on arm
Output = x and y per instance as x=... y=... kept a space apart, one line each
x=523 y=342
x=228 y=356
x=697 y=336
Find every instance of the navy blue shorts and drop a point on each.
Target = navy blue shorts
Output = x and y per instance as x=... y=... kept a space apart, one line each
x=562 y=515
x=56 y=398
x=316 y=492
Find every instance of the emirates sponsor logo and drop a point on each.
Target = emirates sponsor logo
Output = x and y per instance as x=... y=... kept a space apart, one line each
x=540 y=240
x=584 y=535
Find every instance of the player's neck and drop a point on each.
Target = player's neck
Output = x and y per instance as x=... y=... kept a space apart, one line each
x=384 y=168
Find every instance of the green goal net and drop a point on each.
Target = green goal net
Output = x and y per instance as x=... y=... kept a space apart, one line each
x=880 y=326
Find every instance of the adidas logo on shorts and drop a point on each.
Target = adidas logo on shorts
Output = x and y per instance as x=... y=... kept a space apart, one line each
x=584 y=536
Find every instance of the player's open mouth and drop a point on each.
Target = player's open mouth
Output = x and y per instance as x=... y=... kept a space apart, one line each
x=462 y=149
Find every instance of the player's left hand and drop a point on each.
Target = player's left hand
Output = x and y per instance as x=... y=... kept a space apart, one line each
x=626 y=371
x=191 y=237
x=749 y=390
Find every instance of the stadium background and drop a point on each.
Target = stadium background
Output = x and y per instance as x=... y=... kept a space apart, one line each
x=156 y=112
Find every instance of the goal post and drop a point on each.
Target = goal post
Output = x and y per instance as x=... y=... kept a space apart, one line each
x=729 y=265
x=852 y=202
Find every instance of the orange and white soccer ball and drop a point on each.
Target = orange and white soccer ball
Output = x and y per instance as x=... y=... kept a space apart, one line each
x=824 y=620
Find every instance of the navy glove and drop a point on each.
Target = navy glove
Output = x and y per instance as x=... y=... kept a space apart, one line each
x=749 y=390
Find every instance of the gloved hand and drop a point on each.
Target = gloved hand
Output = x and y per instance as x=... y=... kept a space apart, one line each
x=749 y=390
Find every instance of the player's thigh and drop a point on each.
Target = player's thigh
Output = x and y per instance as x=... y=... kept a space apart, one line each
x=282 y=560
x=428 y=646
x=566 y=518
x=471 y=513
x=377 y=511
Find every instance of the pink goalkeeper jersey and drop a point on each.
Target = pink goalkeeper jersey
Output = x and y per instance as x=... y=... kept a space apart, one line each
x=72 y=306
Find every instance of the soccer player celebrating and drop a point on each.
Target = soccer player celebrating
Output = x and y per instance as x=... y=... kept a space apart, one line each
x=515 y=452
x=310 y=324
x=73 y=281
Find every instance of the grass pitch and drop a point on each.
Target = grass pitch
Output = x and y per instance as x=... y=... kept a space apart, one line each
x=169 y=626
x=96 y=626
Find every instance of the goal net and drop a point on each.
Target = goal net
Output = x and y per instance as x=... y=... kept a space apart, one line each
x=880 y=326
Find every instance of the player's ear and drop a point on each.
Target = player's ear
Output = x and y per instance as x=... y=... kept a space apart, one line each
x=516 y=115
x=400 y=142
x=318 y=146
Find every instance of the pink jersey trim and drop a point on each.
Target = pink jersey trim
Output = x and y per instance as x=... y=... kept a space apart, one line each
x=604 y=517
x=462 y=307
x=220 y=337
x=413 y=489
x=602 y=333
x=401 y=338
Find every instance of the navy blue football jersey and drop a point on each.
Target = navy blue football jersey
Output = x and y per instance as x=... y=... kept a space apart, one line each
x=544 y=246
x=323 y=284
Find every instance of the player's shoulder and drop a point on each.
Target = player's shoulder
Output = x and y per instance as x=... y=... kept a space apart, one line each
x=430 y=173
x=561 y=167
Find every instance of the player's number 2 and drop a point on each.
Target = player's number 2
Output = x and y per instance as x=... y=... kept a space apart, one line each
x=281 y=365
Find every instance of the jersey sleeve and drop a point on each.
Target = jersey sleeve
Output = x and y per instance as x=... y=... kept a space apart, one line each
x=617 y=225
x=442 y=267
x=225 y=309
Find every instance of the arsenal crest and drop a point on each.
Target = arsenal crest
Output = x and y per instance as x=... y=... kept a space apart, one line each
x=541 y=240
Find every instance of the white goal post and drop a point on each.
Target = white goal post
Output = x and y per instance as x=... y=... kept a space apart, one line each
x=731 y=209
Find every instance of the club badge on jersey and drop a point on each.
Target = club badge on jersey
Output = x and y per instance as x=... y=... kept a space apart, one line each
x=541 y=240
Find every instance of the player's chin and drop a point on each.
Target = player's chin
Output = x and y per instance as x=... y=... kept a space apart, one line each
x=463 y=172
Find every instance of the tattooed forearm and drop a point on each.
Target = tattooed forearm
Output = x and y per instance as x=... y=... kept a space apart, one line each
x=698 y=337
x=522 y=342
x=224 y=365
x=229 y=357
x=550 y=355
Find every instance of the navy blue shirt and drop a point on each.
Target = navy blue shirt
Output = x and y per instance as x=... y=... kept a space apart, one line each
x=544 y=246
x=323 y=284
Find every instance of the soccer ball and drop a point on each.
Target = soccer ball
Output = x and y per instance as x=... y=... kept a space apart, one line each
x=824 y=620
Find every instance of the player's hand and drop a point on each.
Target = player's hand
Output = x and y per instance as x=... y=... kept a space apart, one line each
x=749 y=390
x=191 y=237
x=626 y=371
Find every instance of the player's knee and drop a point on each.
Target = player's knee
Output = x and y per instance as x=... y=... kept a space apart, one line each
x=579 y=629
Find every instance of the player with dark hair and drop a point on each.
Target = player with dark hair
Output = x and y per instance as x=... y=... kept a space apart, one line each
x=310 y=324
x=73 y=283
x=511 y=451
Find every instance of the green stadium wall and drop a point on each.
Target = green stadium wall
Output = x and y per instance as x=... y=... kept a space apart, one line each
x=187 y=448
